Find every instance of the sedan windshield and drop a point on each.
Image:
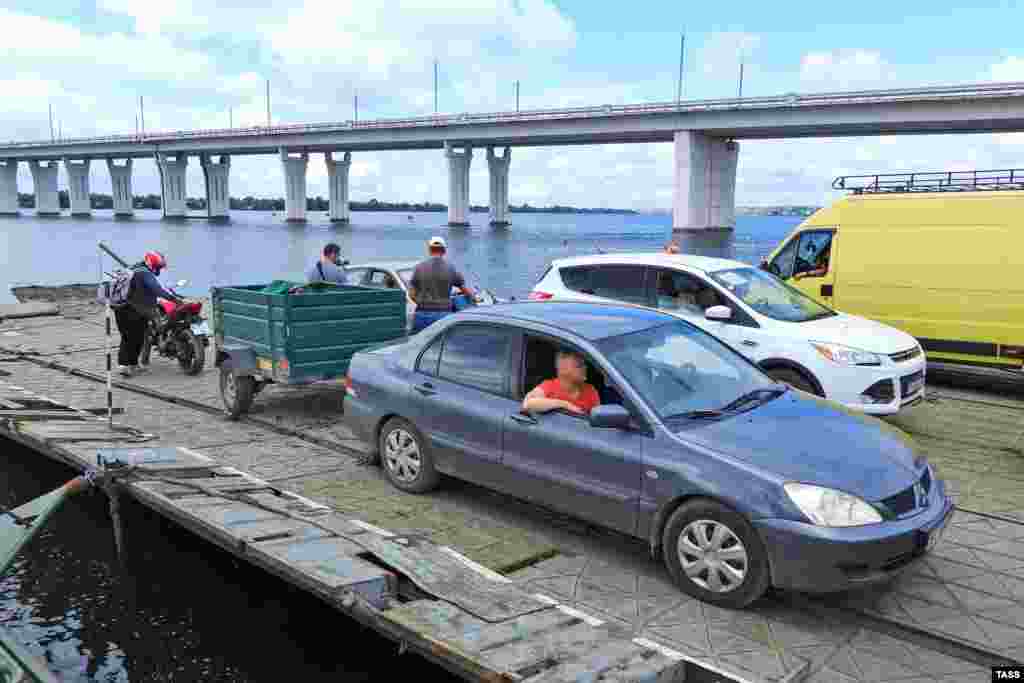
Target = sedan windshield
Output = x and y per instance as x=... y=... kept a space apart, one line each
x=683 y=372
x=770 y=296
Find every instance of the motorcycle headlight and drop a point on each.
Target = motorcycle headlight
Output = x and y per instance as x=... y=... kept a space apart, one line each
x=846 y=355
x=828 y=507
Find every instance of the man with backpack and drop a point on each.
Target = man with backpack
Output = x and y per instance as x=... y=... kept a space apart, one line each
x=329 y=267
x=133 y=298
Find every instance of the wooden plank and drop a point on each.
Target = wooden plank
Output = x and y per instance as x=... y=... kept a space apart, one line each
x=551 y=649
x=441 y=575
x=620 y=661
x=449 y=623
x=36 y=414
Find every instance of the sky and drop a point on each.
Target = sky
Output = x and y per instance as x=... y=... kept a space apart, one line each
x=193 y=61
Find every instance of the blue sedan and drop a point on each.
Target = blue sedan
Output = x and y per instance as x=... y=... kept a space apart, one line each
x=739 y=483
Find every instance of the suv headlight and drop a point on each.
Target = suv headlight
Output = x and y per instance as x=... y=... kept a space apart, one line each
x=846 y=355
x=828 y=507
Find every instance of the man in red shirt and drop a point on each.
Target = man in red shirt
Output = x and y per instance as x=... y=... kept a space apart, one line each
x=568 y=391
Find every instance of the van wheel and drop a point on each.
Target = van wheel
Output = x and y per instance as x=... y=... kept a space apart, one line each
x=795 y=379
x=714 y=554
x=408 y=463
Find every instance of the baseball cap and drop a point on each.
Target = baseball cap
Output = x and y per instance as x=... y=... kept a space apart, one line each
x=437 y=241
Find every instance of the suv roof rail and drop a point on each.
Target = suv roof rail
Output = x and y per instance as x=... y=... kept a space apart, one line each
x=932 y=181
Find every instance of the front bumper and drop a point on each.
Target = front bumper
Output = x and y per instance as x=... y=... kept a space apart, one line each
x=848 y=385
x=816 y=559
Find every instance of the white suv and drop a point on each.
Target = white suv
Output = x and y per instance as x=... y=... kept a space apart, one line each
x=860 y=363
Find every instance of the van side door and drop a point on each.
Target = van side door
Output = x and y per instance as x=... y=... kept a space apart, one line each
x=808 y=262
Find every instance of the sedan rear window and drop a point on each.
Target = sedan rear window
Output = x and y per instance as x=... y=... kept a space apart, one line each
x=619 y=282
x=478 y=357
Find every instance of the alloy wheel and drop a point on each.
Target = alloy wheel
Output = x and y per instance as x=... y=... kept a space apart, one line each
x=712 y=556
x=402 y=455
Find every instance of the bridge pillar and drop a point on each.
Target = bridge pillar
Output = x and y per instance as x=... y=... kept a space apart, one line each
x=704 y=203
x=498 y=167
x=44 y=181
x=78 y=187
x=337 y=178
x=458 y=184
x=121 y=188
x=218 y=199
x=295 y=186
x=9 y=187
x=172 y=184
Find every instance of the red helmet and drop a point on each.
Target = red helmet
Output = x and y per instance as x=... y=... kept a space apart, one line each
x=155 y=261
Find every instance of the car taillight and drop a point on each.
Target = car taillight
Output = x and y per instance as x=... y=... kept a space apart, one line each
x=540 y=296
x=349 y=389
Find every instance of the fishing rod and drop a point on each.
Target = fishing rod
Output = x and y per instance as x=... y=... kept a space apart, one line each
x=113 y=255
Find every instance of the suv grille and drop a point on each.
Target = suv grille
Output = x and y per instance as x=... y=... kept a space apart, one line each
x=904 y=356
x=906 y=500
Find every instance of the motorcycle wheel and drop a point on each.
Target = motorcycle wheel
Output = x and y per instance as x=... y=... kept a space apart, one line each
x=191 y=353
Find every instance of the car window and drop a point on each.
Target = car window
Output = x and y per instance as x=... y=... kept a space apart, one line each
x=539 y=364
x=684 y=293
x=406 y=275
x=677 y=368
x=619 y=282
x=477 y=356
x=381 y=279
x=357 y=276
x=782 y=264
x=770 y=296
x=812 y=259
x=429 y=359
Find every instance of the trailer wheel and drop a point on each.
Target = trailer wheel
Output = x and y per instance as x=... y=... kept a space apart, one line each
x=236 y=391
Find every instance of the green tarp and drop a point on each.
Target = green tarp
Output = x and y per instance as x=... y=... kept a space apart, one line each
x=286 y=286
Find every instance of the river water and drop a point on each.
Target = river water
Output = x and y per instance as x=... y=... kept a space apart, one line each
x=178 y=608
x=258 y=246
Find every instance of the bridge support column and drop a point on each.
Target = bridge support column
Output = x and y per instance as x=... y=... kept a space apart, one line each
x=498 y=167
x=295 y=186
x=458 y=184
x=121 y=188
x=44 y=181
x=9 y=187
x=337 y=178
x=218 y=199
x=78 y=187
x=704 y=202
x=172 y=184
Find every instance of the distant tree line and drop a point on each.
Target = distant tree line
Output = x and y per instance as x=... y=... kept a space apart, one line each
x=250 y=203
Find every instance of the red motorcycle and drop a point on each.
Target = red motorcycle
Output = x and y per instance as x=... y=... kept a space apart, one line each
x=178 y=331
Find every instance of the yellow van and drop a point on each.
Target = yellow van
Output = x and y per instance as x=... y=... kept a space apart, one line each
x=940 y=256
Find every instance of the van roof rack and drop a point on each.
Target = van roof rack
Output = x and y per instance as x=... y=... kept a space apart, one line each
x=932 y=181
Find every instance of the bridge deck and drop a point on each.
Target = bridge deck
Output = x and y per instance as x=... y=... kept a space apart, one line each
x=501 y=590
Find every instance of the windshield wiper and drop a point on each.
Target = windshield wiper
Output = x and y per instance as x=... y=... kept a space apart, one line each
x=759 y=395
x=697 y=414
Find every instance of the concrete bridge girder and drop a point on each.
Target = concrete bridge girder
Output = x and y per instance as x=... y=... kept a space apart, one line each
x=173 y=189
x=9 y=187
x=78 y=186
x=295 y=185
x=121 y=188
x=704 y=195
x=337 y=178
x=44 y=181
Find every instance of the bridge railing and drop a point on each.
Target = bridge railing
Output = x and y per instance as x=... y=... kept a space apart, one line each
x=972 y=91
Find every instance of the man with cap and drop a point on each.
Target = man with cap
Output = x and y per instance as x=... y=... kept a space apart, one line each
x=431 y=286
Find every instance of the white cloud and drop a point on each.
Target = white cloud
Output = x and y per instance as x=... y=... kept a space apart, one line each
x=844 y=69
x=720 y=56
x=1010 y=69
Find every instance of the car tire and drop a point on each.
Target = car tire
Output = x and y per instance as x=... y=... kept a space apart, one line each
x=793 y=378
x=236 y=392
x=732 y=582
x=406 y=458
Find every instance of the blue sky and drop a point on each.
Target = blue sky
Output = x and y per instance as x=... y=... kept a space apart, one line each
x=192 y=60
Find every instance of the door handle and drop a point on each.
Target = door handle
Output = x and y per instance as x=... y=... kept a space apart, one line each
x=524 y=419
x=749 y=342
x=427 y=389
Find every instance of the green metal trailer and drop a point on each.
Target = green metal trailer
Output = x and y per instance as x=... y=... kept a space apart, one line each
x=263 y=335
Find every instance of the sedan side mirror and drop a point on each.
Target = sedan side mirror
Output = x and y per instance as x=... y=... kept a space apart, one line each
x=610 y=417
x=718 y=313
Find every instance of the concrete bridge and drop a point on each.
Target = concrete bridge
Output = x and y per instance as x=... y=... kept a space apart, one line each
x=704 y=132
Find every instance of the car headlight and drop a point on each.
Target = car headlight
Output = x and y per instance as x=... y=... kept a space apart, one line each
x=828 y=507
x=846 y=355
